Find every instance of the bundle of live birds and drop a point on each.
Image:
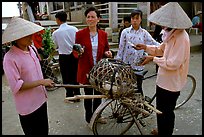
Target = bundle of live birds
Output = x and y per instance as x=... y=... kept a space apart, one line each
x=113 y=78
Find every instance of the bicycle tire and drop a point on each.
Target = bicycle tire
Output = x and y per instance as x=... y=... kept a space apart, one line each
x=119 y=119
x=184 y=95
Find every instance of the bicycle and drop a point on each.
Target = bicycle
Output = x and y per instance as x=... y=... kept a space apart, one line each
x=185 y=95
x=123 y=106
x=190 y=85
x=121 y=116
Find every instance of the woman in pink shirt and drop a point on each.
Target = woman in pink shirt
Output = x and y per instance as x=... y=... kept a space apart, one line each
x=23 y=72
x=173 y=63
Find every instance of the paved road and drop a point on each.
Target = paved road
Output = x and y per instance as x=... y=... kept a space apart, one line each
x=68 y=119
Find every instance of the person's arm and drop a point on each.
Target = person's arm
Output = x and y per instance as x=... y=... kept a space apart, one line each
x=176 y=56
x=151 y=49
x=150 y=40
x=16 y=83
x=107 y=53
x=43 y=82
x=54 y=39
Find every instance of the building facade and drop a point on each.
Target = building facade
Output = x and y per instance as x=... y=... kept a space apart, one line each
x=112 y=12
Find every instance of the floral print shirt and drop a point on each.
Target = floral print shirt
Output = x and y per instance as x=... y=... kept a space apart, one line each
x=130 y=55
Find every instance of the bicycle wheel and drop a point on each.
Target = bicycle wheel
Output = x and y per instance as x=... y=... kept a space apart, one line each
x=187 y=91
x=119 y=119
x=144 y=124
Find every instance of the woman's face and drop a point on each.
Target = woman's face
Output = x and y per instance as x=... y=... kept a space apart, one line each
x=136 y=20
x=92 y=19
x=25 y=41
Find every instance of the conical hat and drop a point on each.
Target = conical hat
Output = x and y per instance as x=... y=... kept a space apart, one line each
x=171 y=15
x=19 y=28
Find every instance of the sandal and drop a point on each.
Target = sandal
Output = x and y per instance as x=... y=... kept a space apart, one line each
x=154 y=132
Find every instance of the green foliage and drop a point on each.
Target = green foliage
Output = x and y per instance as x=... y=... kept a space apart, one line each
x=48 y=43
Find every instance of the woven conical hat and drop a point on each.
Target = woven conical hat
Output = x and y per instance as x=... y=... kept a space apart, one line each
x=19 y=28
x=171 y=15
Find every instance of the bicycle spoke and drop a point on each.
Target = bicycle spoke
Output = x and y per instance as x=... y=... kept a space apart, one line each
x=119 y=120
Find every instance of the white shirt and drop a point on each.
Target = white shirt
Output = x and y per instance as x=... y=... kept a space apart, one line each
x=94 y=43
x=128 y=54
x=64 y=38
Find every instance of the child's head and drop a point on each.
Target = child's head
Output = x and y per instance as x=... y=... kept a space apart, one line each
x=127 y=21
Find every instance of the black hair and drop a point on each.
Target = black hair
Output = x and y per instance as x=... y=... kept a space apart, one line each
x=14 y=43
x=62 y=16
x=92 y=9
x=135 y=12
x=169 y=29
x=97 y=13
x=127 y=18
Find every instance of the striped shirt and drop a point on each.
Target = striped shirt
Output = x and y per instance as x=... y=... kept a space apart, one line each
x=128 y=54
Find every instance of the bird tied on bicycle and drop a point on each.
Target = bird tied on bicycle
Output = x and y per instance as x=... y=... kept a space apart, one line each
x=116 y=80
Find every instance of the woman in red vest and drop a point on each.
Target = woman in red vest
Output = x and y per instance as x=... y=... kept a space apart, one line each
x=96 y=47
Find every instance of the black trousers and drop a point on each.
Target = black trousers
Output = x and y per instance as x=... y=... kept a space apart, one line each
x=166 y=102
x=91 y=105
x=139 y=85
x=68 y=68
x=35 y=123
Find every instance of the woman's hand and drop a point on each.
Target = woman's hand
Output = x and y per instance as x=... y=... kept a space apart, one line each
x=48 y=83
x=147 y=59
x=108 y=54
x=140 y=46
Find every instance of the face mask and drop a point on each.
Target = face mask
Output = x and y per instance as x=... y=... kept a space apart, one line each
x=164 y=34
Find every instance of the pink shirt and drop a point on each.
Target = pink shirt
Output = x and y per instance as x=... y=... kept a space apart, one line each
x=20 y=66
x=174 y=65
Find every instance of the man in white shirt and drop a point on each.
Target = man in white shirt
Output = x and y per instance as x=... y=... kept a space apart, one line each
x=64 y=38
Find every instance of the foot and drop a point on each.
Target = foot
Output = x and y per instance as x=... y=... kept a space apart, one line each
x=102 y=120
x=154 y=132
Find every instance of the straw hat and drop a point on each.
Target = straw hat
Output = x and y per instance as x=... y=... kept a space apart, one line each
x=199 y=12
x=19 y=28
x=171 y=15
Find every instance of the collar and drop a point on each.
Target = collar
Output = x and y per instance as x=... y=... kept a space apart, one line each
x=131 y=28
x=172 y=33
x=63 y=24
x=18 y=50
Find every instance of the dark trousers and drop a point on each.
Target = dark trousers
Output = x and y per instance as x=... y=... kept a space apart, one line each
x=91 y=105
x=35 y=123
x=166 y=102
x=139 y=85
x=68 y=68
